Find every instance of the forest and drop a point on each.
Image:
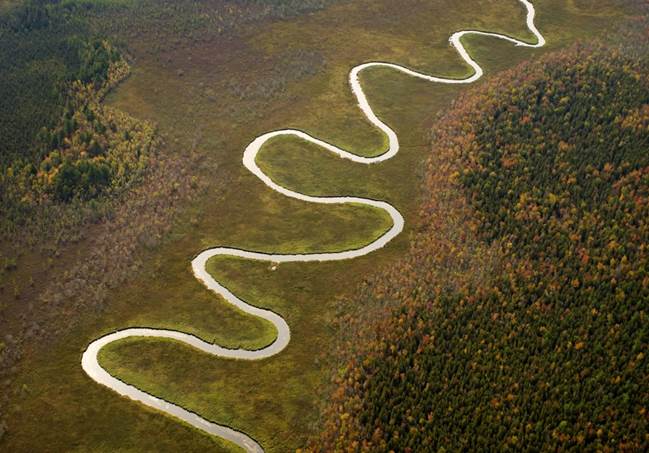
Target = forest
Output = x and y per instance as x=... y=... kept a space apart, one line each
x=508 y=314
x=63 y=156
x=543 y=347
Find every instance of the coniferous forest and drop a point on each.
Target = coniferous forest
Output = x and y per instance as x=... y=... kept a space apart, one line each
x=324 y=225
x=551 y=162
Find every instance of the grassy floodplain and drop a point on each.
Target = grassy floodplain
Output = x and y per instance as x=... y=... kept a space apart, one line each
x=188 y=92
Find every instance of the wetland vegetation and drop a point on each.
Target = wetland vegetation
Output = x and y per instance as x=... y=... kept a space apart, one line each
x=205 y=78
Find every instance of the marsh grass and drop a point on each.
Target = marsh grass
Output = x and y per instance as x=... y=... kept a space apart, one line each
x=273 y=400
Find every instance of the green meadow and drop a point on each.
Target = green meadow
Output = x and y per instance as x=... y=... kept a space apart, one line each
x=192 y=91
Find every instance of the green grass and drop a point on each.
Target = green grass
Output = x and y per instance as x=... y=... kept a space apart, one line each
x=274 y=400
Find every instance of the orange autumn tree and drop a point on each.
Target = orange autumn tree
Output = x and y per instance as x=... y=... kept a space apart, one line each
x=518 y=319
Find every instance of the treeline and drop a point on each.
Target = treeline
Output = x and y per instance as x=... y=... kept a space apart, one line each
x=60 y=153
x=40 y=53
x=92 y=151
x=549 y=353
x=46 y=47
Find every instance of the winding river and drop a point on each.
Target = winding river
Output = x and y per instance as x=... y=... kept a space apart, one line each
x=89 y=360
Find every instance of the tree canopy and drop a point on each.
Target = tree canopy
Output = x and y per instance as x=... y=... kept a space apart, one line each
x=549 y=353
